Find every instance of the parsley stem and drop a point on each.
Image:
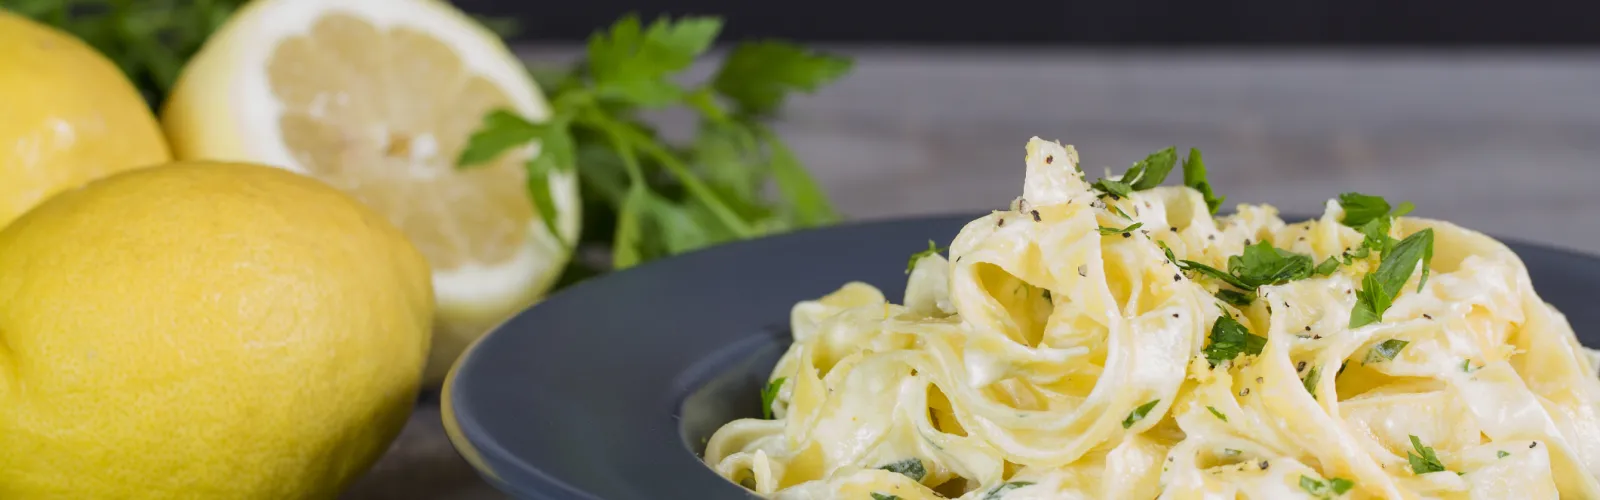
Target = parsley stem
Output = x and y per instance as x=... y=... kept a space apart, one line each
x=649 y=147
x=630 y=159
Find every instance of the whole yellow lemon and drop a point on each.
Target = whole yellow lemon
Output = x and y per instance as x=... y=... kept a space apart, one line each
x=204 y=330
x=67 y=116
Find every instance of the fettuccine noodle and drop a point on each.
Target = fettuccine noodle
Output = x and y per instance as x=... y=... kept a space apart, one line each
x=1048 y=359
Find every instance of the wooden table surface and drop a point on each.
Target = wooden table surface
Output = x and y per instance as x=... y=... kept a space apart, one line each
x=1505 y=142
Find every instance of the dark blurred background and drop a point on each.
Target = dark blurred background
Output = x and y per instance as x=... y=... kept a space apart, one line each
x=1275 y=23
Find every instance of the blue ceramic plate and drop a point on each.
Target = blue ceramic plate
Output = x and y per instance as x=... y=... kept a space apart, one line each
x=608 y=389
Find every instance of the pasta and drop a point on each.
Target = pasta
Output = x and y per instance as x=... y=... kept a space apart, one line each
x=1064 y=352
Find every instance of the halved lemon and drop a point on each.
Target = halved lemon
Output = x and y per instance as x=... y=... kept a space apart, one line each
x=378 y=98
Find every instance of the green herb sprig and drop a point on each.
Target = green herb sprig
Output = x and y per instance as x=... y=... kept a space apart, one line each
x=1385 y=351
x=769 y=394
x=1229 y=339
x=1424 y=460
x=1217 y=414
x=1194 y=176
x=1145 y=174
x=1259 y=265
x=933 y=249
x=651 y=198
x=1380 y=287
x=1325 y=489
x=1123 y=230
x=1139 y=413
x=910 y=467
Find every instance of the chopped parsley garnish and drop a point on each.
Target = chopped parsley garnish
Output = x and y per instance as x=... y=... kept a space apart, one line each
x=1327 y=267
x=910 y=467
x=933 y=249
x=1147 y=173
x=1379 y=288
x=770 y=394
x=1168 y=250
x=1312 y=377
x=1194 y=176
x=1263 y=264
x=1189 y=265
x=1259 y=265
x=1373 y=216
x=1118 y=210
x=1424 y=460
x=1229 y=338
x=1326 y=489
x=1139 y=413
x=1235 y=297
x=1466 y=365
x=1385 y=351
x=1360 y=209
x=733 y=178
x=1217 y=414
x=999 y=491
x=1501 y=454
x=1129 y=229
x=880 y=496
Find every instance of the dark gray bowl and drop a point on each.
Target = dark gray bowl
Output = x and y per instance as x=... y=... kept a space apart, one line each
x=608 y=389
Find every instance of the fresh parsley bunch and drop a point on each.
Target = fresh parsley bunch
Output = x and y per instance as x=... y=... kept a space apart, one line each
x=647 y=198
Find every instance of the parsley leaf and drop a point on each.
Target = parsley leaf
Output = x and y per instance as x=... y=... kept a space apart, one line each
x=1129 y=229
x=1145 y=174
x=910 y=467
x=1260 y=264
x=1189 y=265
x=880 y=496
x=1194 y=176
x=1114 y=188
x=1340 y=485
x=810 y=204
x=769 y=394
x=1263 y=264
x=932 y=250
x=1238 y=299
x=1168 y=251
x=1501 y=454
x=646 y=197
x=1373 y=216
x=757 y=76
x=1385 y=351
x=998 y=492
x=1152 y=170
x=1379 y=288
x=633 y=63
x=1139 y=413
x=1424 y=460
x=1313 y=376
x=1229 y=338
x=502 y=131
x=1326 y=489
x=1327 y=267
x=1217 y=414
x=1360 y=209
